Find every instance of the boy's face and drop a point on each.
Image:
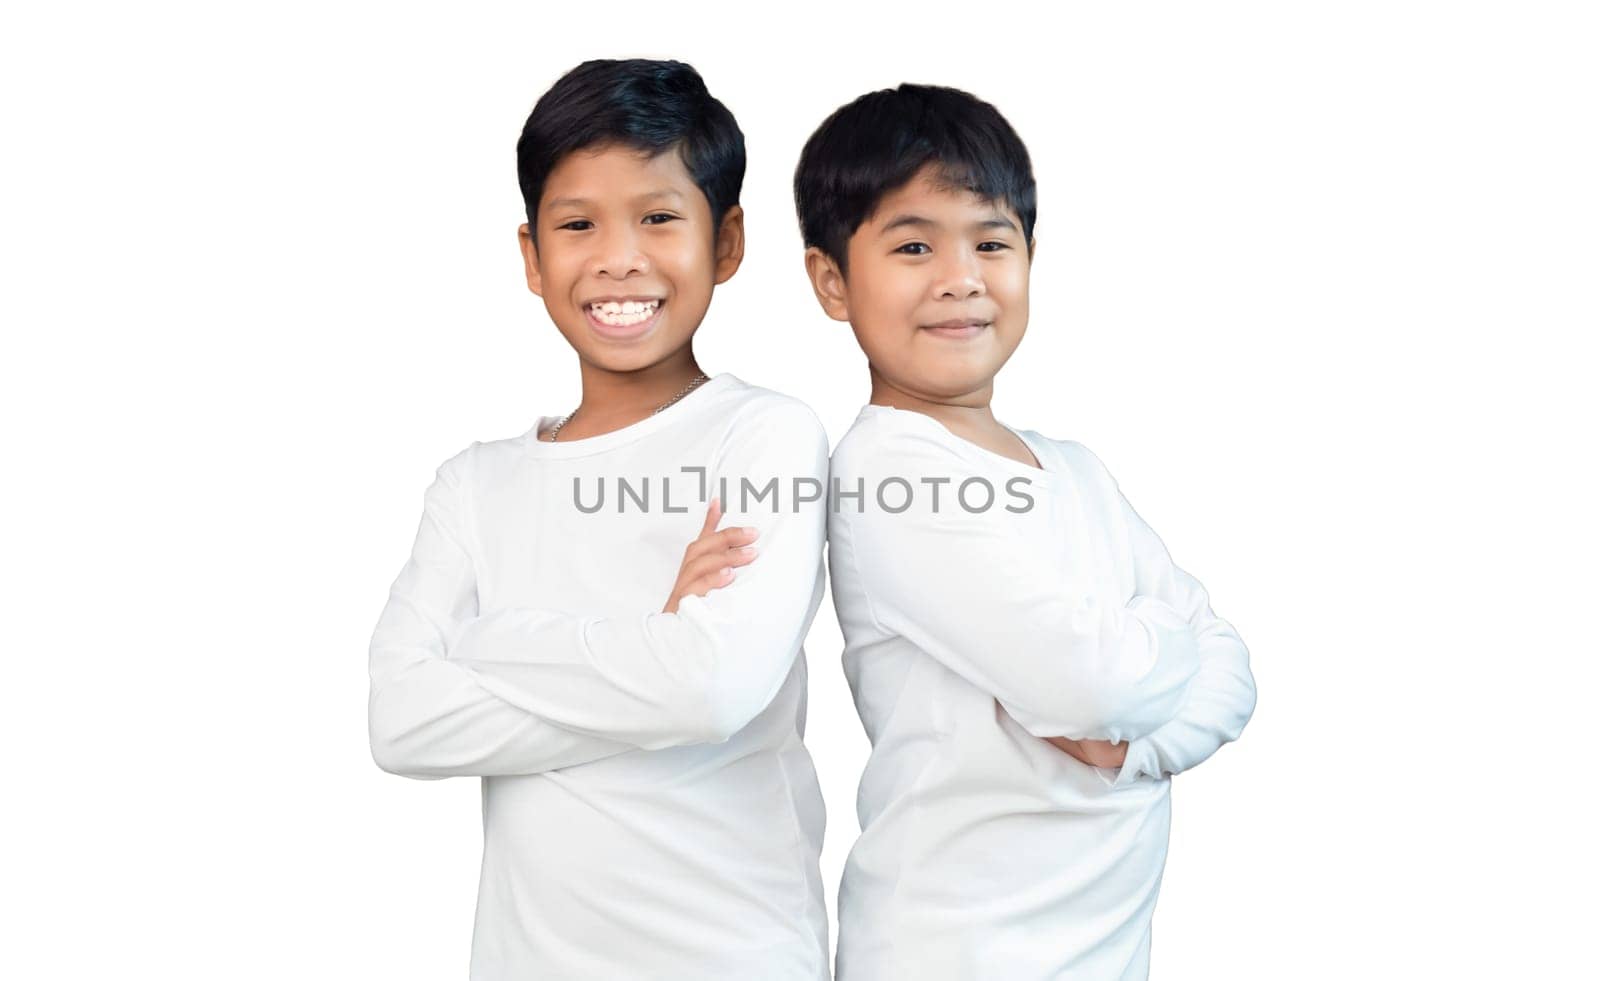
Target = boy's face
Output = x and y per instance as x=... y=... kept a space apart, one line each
x=617 y=226
x=937 y=290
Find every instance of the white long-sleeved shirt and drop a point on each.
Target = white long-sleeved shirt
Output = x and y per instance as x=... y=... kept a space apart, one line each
x=976 y=624
x=649 y=809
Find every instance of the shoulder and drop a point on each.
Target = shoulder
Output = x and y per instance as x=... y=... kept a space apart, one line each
x=1081 y=467
x=456 y=469
x=756 y=412
x=446 y=497
x=481 y=461
x=889 y=440
x=1095 y=485
x=1080 y=462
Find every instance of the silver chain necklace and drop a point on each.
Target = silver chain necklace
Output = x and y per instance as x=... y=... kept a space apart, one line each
x=701 y=377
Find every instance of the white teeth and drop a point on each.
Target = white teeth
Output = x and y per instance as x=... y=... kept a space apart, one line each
x=624 y=314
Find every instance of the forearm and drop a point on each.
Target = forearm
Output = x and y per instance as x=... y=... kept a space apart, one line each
x=1220 y=702
x=1061 y=664
x=430 y=718
x=652 y=681
x=1221 y=697
x=426 y=716
x=701 y=673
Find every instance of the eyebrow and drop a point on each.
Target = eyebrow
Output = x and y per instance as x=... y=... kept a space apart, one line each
x=917 y=221
x=665 y=192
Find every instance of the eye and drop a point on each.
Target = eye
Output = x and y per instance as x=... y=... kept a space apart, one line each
x=914 y=245
x=573 y=225
x=662 y=215
x=997 y=246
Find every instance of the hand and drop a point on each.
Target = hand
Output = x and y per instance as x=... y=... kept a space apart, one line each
x=709 y=560
x=1094 y=752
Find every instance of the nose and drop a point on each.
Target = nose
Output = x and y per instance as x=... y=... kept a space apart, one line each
x=960 y=276
x=618 y=255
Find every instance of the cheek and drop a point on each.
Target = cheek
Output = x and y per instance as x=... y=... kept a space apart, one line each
x=690 y=265
x=893 y=299
x=1013 y=287
x=559 y=270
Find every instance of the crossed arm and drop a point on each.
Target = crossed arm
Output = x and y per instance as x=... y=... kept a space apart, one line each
x=459 y=692
x=1221 y=696
x=978 y=595
x=1162 y=677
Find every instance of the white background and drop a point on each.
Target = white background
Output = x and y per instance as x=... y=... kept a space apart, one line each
x=1319 y=285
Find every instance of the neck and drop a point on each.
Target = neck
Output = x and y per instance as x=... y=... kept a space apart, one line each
x=965 y=412
x=612 y=399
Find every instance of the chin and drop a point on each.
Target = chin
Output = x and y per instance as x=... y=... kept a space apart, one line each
x=617 y=360
x=957 y=376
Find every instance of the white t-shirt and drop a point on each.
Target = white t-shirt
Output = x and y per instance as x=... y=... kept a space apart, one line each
x=649 y=809
x=987 y=604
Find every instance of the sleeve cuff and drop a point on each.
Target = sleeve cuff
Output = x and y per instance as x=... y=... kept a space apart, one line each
x=1141 y=761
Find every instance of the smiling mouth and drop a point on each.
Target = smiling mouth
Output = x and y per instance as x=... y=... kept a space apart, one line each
x=622 y=314
x=959 y=328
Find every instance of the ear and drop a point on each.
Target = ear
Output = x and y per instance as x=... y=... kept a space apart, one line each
x=828 y=283
x=530 y=260
x=729 y=245
x=1033 y=249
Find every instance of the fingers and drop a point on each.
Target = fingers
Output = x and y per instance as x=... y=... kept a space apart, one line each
x=710 y=571
x=710 y=560
x=714 y=563
x=713 y=515
x=709 y=568
x=720 y=541
x=701 y=585
x=1095 y=752
x=1099 y=752
x=1077 y=749
x=705 y=584
x=1068 y=746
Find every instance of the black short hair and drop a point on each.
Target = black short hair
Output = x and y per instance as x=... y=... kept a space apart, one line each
x=876 y=144
x=651 y=106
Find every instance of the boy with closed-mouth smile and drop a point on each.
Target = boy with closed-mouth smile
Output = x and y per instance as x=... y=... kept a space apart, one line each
x=628 y=683
x=1030 y=676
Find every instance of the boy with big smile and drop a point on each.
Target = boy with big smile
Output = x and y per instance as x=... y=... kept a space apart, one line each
x=629 y=684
